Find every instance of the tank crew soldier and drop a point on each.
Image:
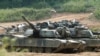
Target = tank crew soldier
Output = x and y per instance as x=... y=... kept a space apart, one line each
x=65 y=32
x=59 y=30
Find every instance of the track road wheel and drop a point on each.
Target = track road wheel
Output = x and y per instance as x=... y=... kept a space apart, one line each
x=40 y=50
x=8 y=48
x=37 y=49
x=81 y=49
x=97 y=49
x=48 y=50
x=34 y=49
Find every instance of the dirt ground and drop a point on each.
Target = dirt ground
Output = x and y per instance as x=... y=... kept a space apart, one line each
x=56 y=54
x=82 y=17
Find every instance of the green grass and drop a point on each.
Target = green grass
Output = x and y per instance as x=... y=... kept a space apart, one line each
x=79 y=6
x=7 y=15
x=75 y=6
x=97 y=13
x=41 y=9
x=3 y=52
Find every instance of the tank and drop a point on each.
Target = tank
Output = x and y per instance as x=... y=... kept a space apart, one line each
x=45 y=39
x=53 y=37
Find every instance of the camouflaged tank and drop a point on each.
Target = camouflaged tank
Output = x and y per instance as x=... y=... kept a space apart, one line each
x=53 y=37
x=46 y=39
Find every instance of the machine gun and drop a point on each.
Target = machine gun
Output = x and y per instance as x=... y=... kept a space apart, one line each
x=36 y=31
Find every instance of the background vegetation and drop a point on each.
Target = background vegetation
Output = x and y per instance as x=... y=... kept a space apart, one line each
x=12 y=10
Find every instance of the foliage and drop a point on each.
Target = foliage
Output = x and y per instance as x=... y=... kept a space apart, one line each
x=5 y=41
x=3 y=52
x=12 y=10
x=16 y=13
x=97 y=13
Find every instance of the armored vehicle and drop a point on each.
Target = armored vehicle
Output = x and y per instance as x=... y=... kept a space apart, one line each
x=52 y=37
x=46 y=39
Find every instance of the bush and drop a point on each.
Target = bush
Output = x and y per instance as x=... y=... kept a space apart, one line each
x=39 y=9
x=76 y=6
x=3 y=52
x=15 y=14
x=97 y=13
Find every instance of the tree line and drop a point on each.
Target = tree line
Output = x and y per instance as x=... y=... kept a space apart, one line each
x=28 y=3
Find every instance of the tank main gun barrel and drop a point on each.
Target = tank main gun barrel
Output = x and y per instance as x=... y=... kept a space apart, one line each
x=26 y=20
x=31 y=25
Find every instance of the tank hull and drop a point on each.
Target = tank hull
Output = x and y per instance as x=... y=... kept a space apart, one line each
x=57 y=44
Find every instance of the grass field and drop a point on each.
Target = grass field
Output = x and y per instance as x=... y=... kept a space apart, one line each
x=41 y=10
